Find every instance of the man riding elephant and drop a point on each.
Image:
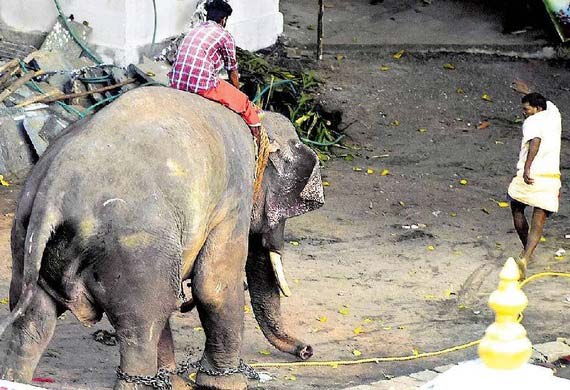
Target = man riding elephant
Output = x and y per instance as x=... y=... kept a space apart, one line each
x=129 y=204
x=204 y=51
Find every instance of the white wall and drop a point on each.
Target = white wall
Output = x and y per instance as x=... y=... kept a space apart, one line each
x=122 y=28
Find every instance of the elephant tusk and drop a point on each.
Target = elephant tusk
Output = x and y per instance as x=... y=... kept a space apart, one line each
x=277 y=265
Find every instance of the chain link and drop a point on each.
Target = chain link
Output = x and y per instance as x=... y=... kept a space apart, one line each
x=161 y=381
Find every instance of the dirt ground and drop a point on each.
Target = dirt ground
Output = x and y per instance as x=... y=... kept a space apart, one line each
x=363 y=280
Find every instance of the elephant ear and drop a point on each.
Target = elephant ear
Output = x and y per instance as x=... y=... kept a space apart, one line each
x=296 y=187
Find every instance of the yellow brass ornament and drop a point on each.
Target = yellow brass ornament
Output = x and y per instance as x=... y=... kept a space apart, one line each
x=505 y=345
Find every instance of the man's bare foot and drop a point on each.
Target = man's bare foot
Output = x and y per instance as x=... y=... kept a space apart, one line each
x=522 y=263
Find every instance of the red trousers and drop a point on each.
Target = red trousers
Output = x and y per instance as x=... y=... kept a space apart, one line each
x=235 y=100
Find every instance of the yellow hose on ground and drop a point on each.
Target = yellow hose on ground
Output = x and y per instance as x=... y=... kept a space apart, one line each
x=335 y=363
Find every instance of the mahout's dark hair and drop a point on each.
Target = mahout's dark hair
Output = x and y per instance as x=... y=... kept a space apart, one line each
x=217 y=10
x=534 y=99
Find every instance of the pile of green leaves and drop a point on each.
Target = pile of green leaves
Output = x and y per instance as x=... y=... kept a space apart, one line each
x=291 y=93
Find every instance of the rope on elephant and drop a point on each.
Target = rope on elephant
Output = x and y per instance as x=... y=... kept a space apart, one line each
x=336 y=363
x=262 y=159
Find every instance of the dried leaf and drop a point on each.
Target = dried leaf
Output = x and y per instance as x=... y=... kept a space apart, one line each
x=453 y=214
x=422 y=129
x=357 y=169
x=403 y=204
x=356 y=353
x=483 y=125
x=291 y=377
x=294 y=243
x=521 y=87
x=460 y=91
x=485 y=211
x=449 y=66
x=395 y=123
x=198 y=329
x=340 y=57
x=349 y=157
x=486 y=97
x=265 y=352
x=399 y=54
x=387 y=327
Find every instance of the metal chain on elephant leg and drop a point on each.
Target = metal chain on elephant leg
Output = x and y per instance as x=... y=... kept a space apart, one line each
x=160 y=381
x=242 y=368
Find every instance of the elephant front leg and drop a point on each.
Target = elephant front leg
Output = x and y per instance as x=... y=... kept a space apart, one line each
x=217 y=287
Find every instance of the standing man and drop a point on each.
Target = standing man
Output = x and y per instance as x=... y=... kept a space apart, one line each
x=202 y=54
x=537 y=183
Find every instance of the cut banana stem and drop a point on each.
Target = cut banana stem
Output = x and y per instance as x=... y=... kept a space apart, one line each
x=277 y=265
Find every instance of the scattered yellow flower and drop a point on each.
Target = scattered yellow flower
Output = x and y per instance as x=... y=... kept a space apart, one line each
x=367 y=320
x=449 y=66
x=4 y=182
x=453 y=214
x=4 y=301
x=265 y=352
x=291 y=377
x=384 y=68
x=431 y=248
x=463 y=182
x=403 y=204
x=357 y=169
x=460 y=91
x=429 y=297
x=370 y=171
x=503 y=205
x=399 y=54
x=415 y=352
x=487 y=97
x=192 y=376
x=395 y=123
x=343 y=310
x=422 y=129
x=322 y=319
x=542 y=239
x=294 y=243
x=326 y=184
x=358 y=330
x=385 y=172
x=356 y=353
x=198 y=329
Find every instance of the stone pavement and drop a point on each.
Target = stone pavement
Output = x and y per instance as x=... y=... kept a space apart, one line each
x=543 y=354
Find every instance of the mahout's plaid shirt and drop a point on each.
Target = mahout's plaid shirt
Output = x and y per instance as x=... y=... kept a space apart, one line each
x=202 y=54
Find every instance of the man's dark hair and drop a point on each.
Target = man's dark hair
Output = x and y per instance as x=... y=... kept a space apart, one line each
x=534 y=99
x=217 y=10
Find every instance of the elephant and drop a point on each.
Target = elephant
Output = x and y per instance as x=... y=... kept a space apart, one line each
x=151 y=192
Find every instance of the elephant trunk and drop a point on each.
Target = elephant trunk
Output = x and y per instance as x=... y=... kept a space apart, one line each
x=266 y=301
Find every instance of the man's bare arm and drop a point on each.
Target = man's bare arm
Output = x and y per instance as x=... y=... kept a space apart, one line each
x=234 y=78
x=534 y=145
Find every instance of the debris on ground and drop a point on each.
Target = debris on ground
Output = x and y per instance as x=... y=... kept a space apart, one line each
x=45 y=90
x=105 y=337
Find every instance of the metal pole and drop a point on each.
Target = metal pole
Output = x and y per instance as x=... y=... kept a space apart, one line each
x=320 y=31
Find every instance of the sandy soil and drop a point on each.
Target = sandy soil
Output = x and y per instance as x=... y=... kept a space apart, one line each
x=357 y=268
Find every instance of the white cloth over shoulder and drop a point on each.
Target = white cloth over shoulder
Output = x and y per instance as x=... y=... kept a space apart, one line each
x=545 y=168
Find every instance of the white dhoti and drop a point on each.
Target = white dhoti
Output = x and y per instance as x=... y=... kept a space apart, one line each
x=544 y=193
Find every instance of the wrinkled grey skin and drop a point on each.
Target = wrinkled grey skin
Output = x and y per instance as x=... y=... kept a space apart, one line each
x=125 y=206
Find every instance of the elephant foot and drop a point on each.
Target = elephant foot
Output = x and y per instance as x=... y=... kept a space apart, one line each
x=229 y=382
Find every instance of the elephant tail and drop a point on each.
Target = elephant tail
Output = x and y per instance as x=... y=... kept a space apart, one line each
x=42 y=223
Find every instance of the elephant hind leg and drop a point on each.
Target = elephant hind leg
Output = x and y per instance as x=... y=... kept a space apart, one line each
x=217 y=289
x=166 y=357
x=29 y=336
